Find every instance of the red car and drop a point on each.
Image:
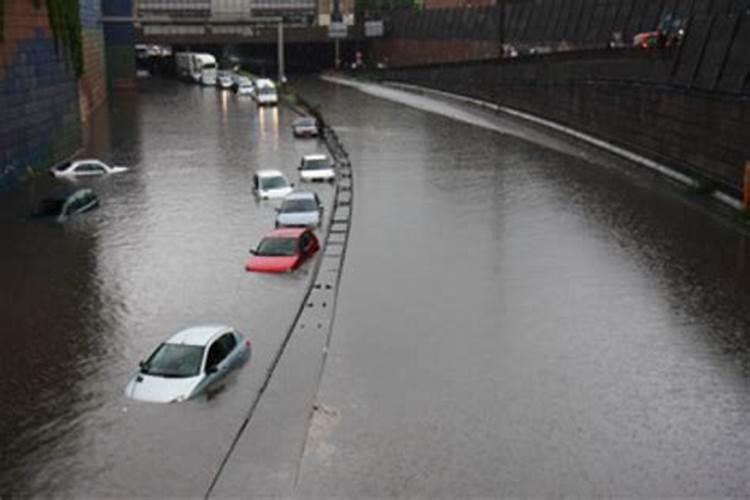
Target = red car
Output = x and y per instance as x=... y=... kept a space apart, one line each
x=283 y=250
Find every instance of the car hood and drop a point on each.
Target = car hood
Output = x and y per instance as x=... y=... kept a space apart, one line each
x=276 y=193
x=271 y=264
x=298 y=219
x=161 y=389
x=324 y=173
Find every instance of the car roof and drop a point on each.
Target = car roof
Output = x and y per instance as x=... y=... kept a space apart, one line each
x=300 y=195
x=315 y=157
x=86 y=160
x=197 y=335
x=286 y=232
x=269 y=173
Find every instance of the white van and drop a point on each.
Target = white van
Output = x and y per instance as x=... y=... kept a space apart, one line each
x=265 y=92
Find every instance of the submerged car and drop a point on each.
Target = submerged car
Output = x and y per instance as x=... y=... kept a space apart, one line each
x=66 y=203
x=86 y=167
x=283 y=250
x=316 y=168
x=190 y=363
x=271 y=184
x=300 y=209
x=306 y=126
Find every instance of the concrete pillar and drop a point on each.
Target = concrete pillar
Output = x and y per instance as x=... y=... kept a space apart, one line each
x=119 y=38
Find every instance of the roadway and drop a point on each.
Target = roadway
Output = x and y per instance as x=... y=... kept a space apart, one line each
x=518 y=315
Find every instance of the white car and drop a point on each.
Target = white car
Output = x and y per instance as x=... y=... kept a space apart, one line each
x=271 y=184
x=265 y=92
x=189 y=363
x=316 y=168
x=224 y=81
x=86 y=167
x=300 y=209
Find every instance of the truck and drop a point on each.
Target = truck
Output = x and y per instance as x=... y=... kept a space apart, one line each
x=205 y=65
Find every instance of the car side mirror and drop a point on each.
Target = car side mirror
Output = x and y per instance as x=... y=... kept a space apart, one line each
x=142 y=365
x=253 y=251
x=211 y=369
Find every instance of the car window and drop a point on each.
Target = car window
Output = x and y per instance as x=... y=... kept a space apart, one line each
x=277 y=247
x=216 y=354
x=318 y=164
x=89 y=167
x=304 y=241
x=274 y=182
x=174 y=360
x=229 y=342
x=299 y=205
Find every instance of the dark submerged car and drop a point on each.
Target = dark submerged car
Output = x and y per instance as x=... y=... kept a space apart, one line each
x=63 y=204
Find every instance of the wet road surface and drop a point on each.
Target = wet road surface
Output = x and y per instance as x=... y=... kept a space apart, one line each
x=518 y=314
x=522 y=320
x=83 y=302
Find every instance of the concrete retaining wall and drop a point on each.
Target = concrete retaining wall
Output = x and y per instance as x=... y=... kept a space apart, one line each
x=621 y=96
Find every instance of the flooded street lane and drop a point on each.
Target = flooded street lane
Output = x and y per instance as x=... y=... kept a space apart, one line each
x=83 y=302
x=523 y=320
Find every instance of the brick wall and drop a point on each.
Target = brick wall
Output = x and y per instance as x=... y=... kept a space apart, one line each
x=38 y=96
x=43 y=102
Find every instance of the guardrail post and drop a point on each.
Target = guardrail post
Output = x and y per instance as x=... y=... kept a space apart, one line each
x=746 y=190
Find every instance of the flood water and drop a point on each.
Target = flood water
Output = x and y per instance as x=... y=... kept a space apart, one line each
x=518 y=314
x=83 y=302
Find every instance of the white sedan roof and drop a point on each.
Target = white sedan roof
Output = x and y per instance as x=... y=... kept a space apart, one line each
x=197 y=335
x=315 y=157
x=269 y=173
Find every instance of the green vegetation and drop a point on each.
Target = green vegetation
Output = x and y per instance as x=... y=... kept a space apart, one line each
x=65 y=22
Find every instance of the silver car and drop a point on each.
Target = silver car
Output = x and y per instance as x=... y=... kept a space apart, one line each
x=191 y=362
x=300 y=209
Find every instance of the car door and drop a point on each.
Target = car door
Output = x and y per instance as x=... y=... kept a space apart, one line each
x=215 y=368
x=229 y=341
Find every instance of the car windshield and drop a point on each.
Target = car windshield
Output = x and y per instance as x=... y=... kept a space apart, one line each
x=174 y=360
x=305 y=122
x=267 y=91
x=274 y=182
x=299 y=205
x=320 y=164
x=277 y=247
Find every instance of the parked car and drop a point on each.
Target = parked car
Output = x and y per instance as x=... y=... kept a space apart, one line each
x=283 y=250
x=66 y=203
x=246 y=87
x=271 y=184
x=306 y=126
x=84 y=168
x=300 y=209
x=316 y=168
x=224 y=80
x=189 y=363
x=265 y=92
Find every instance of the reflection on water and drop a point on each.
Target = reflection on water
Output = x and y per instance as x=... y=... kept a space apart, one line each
x=85 y=301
